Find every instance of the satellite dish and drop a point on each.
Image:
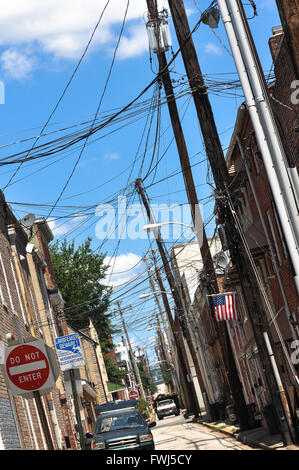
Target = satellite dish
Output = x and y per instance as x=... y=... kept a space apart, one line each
x=220 y=260
x=28 y=220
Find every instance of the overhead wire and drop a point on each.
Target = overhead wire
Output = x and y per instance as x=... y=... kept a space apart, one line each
x=97 y=111
x=64 y=90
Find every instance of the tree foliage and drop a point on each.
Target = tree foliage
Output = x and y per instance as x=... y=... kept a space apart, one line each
x=115 y=374
x=80 y=275
x=148 y=385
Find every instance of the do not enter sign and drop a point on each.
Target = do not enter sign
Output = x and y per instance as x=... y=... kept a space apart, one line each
x=27 y=367
x=133 y=395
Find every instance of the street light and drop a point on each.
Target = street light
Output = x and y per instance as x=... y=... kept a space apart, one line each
x=146 y=295
x=197 y=229
x=150 y=227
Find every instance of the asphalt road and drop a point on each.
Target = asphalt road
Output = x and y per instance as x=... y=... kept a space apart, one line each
x=176 y=433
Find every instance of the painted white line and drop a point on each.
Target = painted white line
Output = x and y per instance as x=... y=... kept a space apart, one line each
x=25 y=368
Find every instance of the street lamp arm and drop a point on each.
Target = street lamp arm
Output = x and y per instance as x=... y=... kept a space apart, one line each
x=146 y=295
x=150 y=227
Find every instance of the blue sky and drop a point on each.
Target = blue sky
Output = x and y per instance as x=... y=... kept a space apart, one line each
x=40 y=45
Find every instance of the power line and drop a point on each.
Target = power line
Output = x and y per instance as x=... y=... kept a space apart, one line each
x=64 y=90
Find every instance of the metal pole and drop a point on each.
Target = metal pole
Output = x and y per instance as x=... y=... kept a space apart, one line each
x=43 y=419
x=77 y=409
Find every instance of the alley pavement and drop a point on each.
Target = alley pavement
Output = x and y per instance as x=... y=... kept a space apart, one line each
x=176 y=433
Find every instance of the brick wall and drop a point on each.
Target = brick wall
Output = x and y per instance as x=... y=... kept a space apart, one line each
x=8 y=429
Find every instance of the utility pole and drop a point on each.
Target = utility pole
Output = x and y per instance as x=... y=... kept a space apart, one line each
x=156 y=295
x=154 y=289
x=136 y=370
x=221 y=177
x=171 y=328
x=227 y=359
x=180 y=311
x=163 y=293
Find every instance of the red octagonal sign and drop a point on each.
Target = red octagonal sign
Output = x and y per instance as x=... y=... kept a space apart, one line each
x=133 y=395
x=27 y=367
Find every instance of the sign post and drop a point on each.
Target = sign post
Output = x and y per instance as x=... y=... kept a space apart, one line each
x=70 y=356
x=29 y=374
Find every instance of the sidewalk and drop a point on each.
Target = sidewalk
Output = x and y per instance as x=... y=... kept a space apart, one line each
x=257 y=438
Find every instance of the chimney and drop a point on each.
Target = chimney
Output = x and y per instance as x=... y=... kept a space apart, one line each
x=275 y=41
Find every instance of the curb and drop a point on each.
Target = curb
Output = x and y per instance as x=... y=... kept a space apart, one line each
x=236 y=436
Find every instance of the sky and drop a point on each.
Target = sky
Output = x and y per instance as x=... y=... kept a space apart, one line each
x=53 y=86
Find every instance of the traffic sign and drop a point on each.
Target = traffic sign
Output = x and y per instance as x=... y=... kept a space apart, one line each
x=133 y=395
x=28 y=368
x=69 y=351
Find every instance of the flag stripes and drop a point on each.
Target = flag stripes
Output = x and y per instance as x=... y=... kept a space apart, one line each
x=225 y=306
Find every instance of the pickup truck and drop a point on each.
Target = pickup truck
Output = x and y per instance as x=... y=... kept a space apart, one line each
x=120 y=426
x=166 y=408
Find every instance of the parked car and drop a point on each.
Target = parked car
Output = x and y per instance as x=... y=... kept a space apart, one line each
x=120 y=426
x=166 y=408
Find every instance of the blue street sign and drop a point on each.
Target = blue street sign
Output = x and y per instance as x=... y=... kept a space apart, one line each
x=69 y=351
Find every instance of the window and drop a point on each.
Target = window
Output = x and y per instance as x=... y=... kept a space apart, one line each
x=119 y=421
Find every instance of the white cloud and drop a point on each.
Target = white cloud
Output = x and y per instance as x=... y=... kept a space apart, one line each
x=212 y=48
x=111 y=156
x=135 y=44
x=63 y=27
x=123 y=268
x=15 y=64
x=59 y=227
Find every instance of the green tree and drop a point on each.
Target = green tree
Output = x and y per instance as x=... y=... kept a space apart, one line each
x=80 y=275
x=148 y=385
x=115 y=374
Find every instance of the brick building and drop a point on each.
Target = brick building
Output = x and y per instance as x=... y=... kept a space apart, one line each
x=255 y=209
x=258 y=218
x=188 y=266
x=31 y=307
x=21 y=317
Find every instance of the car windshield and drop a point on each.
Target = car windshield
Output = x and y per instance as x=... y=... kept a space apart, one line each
x=165 y=402
x=114 y=422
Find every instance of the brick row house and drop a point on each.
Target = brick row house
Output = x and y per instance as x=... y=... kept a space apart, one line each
x=31 y=307
x=257 y=216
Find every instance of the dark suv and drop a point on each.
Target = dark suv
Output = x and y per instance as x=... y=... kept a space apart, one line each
x=121 y=427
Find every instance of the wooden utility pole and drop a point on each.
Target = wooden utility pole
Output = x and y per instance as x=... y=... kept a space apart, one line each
x=190 y=395
x=156 y=295
x=171 y=327
x=227 y=358
x=135 y=366
x=164 y=346
x=221 y=177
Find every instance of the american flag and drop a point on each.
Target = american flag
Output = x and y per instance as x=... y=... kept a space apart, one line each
x=225 y=306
